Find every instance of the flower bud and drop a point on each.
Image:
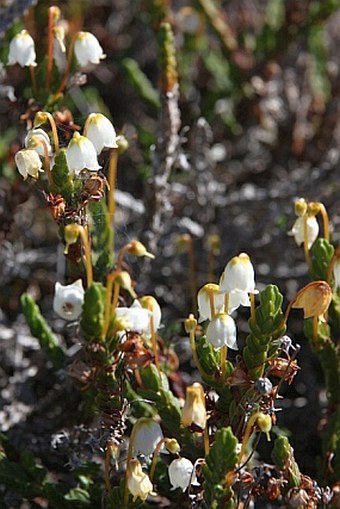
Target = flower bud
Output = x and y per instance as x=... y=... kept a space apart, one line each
x=22 y=50
x=300 y=207
x=313 y=208
x=314 y=299
x=71 y=234
x=183 y=241
x=214 y=242
x=100 y=131
x=222 y=331
x=28 y=163
x=87 y=49
x=264 y=422
x=40 y=118
x=138 y=249
x=124 y=280
x=68 y=300
x=172 y=446
x=190 y=324
x=122 y=143
x=138 y=482
x=194 y=411
x=180 y=473
x=147 y=435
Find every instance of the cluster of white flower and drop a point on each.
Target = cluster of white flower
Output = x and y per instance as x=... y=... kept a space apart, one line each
x=86 y=48
x=147 y=438
x=216 y=302
x=81 y=152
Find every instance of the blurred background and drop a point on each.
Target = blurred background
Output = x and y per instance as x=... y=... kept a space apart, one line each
x=257 y=127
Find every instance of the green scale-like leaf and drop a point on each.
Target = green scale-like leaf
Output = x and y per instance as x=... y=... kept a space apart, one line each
x=92 y=320
x=322 y=254
x=220 y=461
x=266 y=328
x=283 y=457
x=63 y=183
x=41 y=330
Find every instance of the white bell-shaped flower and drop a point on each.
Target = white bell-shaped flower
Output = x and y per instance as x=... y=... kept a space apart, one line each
x=298 y=230
x=181 y=473
x=238 y=275
x=22 y=50
x=194 y=410
x=101 y=132
x=36 y=139
x=87 y=49
x=68 y=300
x=135 y=318
x=28 y=163
x=222 y=331
x=148 y=435
x=138 y=482
x=237 y=298
x=203 y=300
x=336 y=273
x=81 y=154
x=150 y=303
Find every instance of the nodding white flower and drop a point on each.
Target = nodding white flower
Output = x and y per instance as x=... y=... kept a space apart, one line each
x=36 y=139
x=81 y=154
x=138 y=482
x=181 y=473
x=238 y=298
x=203 y=300
x=87 y=49
x=238 y=275
x=222 y=331
x=68 y=300
x=150 y=303
x=100 y=131
x=135 y=318
x=28 y=163
x=148 y=435
x=194 y=410
x=298 y=230
x=22 y=50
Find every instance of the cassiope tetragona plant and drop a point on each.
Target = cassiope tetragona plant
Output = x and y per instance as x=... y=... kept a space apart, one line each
x=159 y=435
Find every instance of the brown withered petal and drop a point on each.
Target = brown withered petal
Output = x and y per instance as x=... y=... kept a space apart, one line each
x=314 y=299
x=283 y=368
